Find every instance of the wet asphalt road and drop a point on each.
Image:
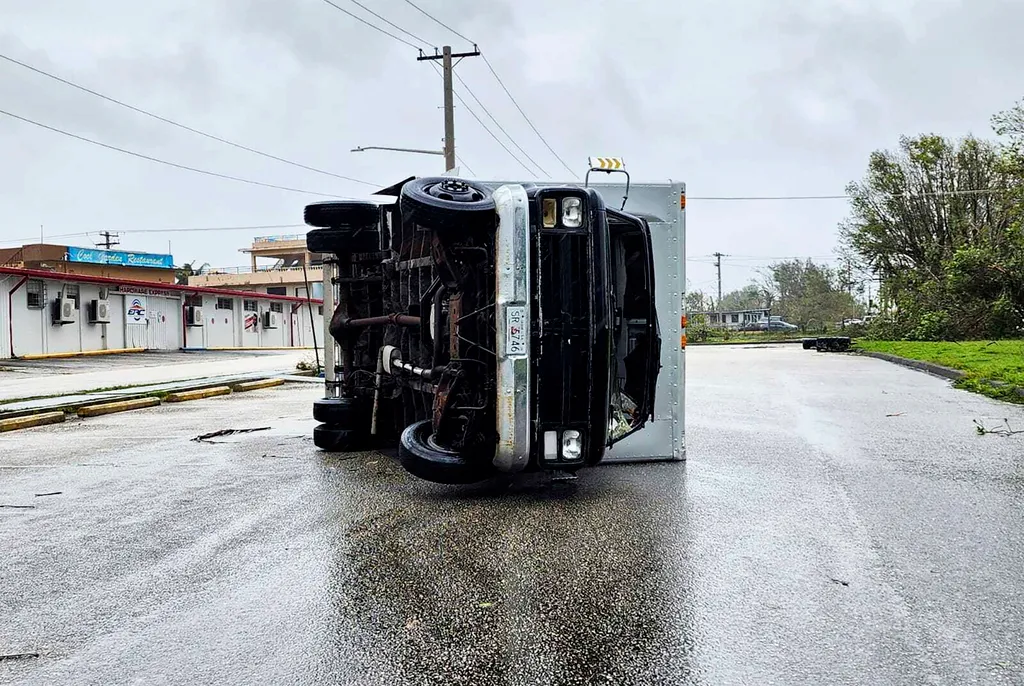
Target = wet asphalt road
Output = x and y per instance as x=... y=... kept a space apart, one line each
x=810 y=539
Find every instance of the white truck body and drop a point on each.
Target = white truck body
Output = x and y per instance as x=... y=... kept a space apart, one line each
x=662 y=205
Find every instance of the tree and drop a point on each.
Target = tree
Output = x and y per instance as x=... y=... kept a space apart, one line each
x=186 y=270
x=749 y=297
x=696 y=301
x=940 y=222
x=809 y=294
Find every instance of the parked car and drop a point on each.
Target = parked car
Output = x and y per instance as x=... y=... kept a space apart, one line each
x=488 y=328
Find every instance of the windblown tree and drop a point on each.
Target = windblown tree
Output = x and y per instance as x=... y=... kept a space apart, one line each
x=811 y=295
x=939 y=222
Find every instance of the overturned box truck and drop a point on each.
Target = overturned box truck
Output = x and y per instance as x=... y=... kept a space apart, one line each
x=492 y=327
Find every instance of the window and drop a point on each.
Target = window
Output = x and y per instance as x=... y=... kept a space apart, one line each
x=277 y=307
x=71 y=292
x=735 y=319
x=277 y=290
x=194 y=300
x=225 y=304
x=250 y=306
x=321 y=310
x=35 y=294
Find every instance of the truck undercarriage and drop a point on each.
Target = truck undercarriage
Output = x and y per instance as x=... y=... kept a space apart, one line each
x=426 y=328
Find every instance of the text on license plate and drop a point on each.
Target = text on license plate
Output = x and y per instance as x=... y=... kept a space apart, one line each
x=515 y=330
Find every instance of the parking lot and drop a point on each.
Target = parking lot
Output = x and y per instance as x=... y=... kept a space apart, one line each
x=839 y=520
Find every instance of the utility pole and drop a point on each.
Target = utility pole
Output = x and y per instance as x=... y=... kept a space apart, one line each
x=108 y=241
x=718 y=265
x=447 y=66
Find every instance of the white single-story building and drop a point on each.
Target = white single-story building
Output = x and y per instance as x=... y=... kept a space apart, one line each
x=44 y=312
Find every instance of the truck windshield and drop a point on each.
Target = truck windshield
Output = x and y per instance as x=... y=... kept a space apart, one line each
x=636 y=340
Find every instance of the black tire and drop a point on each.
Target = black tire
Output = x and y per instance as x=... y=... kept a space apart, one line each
x=343 y=240
x=445 y=203
x=423 y=458
x=810 y=343
x=332 y=214
x=335 y=440
x=341 y=413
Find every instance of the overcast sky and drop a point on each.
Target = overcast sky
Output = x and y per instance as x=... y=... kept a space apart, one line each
x=734 y=97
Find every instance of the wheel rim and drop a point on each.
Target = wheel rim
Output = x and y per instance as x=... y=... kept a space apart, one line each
x=455 y=191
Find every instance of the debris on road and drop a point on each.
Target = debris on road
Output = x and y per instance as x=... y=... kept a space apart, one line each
x=40 y=495
x=226 y=432
x=20 y=507
x=1004 y=430
x=896 y=414
x=18 y=656
x=839 y=581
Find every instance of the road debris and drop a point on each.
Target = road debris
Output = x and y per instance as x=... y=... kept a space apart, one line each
x=1004 y=430
x=18 y=656
x=40 y=495
x=20 y=507
x=839 y=581
x=205 y=438
x=896 y=414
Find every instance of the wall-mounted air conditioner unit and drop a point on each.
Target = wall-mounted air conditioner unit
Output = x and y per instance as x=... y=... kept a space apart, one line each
x=193 y=316
x=99 y=312
x=270 y=320
x=64 y=311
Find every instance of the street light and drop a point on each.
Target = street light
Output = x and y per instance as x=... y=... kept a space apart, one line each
x=416 y=150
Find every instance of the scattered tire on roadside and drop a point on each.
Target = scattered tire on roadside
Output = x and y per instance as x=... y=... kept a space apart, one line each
x=833 y=344
x=809 y=343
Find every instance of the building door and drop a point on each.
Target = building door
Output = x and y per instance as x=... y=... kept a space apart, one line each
x=135 y=321
x=164 y=315
x=220 y=330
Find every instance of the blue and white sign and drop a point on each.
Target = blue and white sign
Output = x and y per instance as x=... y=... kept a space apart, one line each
x=125 y=259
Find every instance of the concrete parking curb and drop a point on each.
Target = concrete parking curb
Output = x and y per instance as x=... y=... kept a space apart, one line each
x=183 y=396
x=920 y=365
x=257 y=385
x=85 y=353
x=119 y=406
x=31 y=420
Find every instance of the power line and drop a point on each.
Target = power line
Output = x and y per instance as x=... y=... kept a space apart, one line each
x=166 y=162
x=436 y=20
x=180 y=125
x=187 y=229
x=510 y=97
x=491 y=133
x=374 y=26
x=500 y=82
x=972 y=191
x=463 y=163
x=391 y=24
x=500 y=127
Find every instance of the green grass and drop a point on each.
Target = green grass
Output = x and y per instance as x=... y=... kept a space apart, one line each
x=1000 y=361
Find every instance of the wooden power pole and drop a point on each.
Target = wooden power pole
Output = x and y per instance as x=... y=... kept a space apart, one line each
x=447 y=66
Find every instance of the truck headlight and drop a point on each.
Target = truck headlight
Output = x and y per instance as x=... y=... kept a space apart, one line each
x=572 y=445
x=549 y=213
x=572 y=212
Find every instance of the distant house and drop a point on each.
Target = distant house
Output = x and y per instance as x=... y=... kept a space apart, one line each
x=735 y=319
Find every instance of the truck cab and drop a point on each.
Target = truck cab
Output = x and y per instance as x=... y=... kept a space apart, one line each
x=487 y=328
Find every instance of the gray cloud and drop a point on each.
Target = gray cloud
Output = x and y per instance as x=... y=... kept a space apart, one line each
x=734 y=97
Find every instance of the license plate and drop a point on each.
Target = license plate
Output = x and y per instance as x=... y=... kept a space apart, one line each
x=515 y=330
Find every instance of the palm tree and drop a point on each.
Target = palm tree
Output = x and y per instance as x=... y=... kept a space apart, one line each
x=186 y=270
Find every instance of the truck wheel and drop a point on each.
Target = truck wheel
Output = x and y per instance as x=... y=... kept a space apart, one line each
x=335 y=440
x=423 y=458
x=343 y=240
x=342 y=413
x=445 y=203
x=810 y=343
x=332 y=214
